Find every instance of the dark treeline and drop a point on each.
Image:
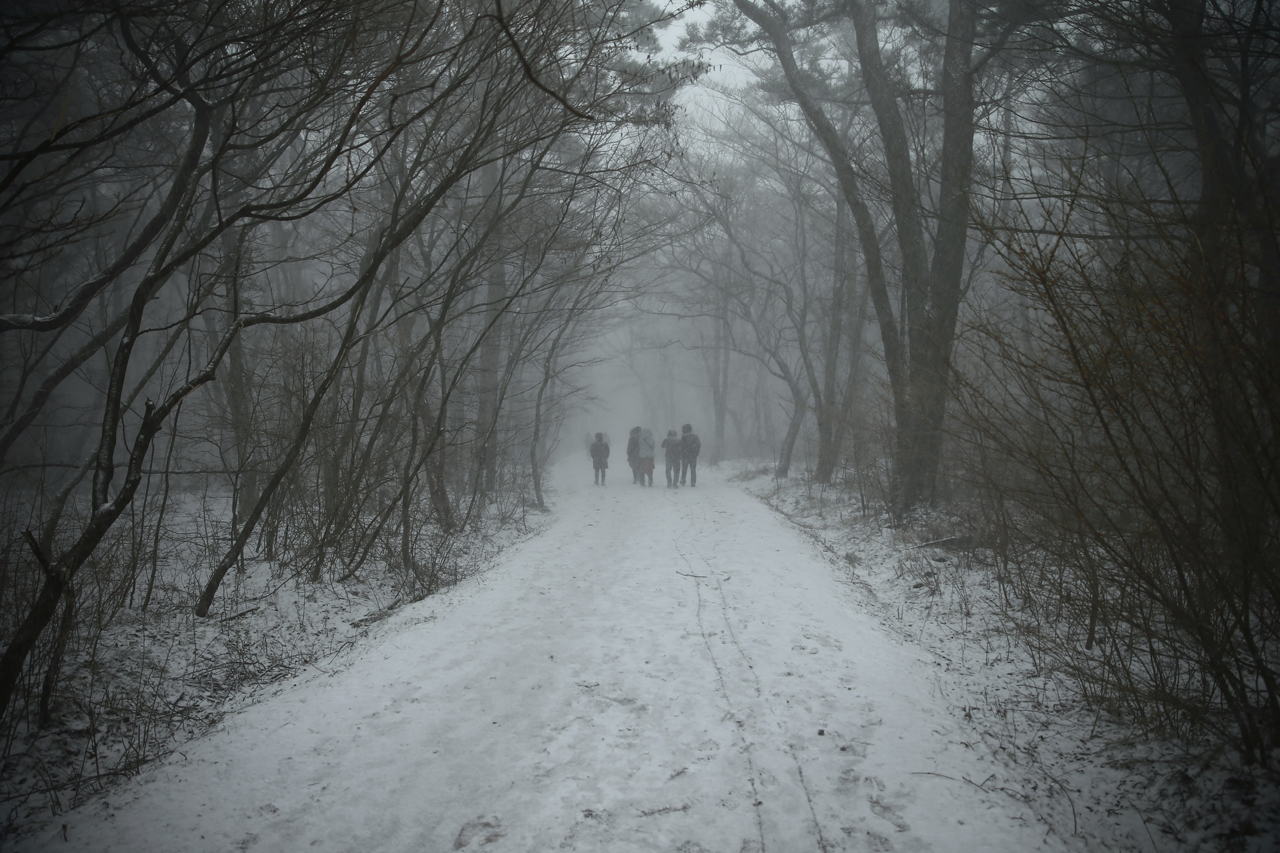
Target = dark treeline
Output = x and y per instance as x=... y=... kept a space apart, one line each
x=1021 y=261
x=305 y=276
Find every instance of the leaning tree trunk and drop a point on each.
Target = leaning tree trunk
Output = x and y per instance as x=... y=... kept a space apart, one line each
x=799 y=405
x=233 y=553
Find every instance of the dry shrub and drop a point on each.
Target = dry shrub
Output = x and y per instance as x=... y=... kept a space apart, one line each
x=1122 y=431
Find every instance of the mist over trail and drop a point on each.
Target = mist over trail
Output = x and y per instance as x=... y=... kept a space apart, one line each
x=657 y=670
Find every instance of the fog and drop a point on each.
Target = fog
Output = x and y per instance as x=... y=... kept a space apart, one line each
x=646 y=373
x=320 y=292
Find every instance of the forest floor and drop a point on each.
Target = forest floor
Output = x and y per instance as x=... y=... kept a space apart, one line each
x=656 y=670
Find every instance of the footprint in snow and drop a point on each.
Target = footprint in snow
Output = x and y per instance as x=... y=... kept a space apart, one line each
x=878 y=842
x=484 y=829
x=823 y=640
x=887 y=812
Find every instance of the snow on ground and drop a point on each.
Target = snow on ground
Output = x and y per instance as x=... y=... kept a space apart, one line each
x=659 y=670
x=153 y=678
x=1095 y=776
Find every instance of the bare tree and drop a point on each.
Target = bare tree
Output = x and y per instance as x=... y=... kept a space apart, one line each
x=1126 y=431
x=187 y=187
x=931 y=260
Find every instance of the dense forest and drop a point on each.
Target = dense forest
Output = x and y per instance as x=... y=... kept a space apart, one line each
x=316 y=291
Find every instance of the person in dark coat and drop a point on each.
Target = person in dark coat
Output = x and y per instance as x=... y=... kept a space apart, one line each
x=633 y=454
x=671 y=449
x=690 y=447
x=647 y=448
x=600 y=458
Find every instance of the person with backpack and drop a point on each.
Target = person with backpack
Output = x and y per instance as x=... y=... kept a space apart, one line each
x=671 y=449
x=633 y=454
x=690 y=447
x=645 y=449
x=600 y=458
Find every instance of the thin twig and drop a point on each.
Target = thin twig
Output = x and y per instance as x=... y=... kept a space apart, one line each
x=1143 y=818
x=238 y=615
x=951 y=778
x=528 y=69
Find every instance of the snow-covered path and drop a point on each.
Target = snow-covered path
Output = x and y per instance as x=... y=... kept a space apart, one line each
x=658 y=671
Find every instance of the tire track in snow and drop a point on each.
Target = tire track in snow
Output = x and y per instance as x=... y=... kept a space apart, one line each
x=823 y=844
x=761 y=697
x=745 y=745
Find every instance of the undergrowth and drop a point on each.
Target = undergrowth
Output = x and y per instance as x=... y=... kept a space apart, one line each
x=1075 y=755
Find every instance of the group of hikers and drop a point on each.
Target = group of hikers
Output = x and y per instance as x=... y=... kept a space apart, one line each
x=680 y=452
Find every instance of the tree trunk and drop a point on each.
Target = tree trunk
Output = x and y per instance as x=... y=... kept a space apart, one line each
x=828 y=413
x=534 y=468
x=932 y=295
x=490 y=351
x=55 y=657
x=918 y=373
x=849 y=395
x=720 y=394
x=799 y=404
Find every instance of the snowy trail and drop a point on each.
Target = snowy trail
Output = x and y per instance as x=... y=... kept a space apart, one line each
x=658 y=671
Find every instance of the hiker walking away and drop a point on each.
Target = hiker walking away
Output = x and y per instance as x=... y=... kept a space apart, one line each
x=690 y=447
x=600 y=458
x=633 y=454
x=671 y=448
x=646 y=455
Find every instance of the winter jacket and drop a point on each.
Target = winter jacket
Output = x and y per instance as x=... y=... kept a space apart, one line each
x=671 y=445
x=600 y=454
x=633 y=449
x=646 y=444
x=690 y=445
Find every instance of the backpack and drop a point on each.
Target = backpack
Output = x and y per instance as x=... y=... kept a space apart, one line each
x=692 y=444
